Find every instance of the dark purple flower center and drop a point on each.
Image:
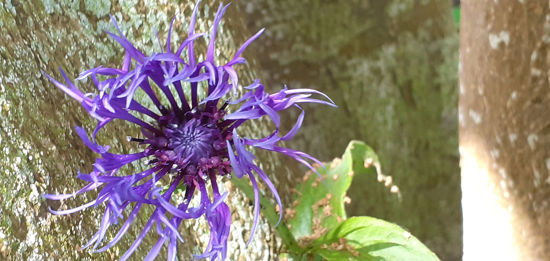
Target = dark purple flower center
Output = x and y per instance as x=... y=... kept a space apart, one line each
x=192 y=140
x=191 y=143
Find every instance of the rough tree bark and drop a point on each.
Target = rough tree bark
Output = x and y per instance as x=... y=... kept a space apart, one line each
x=390 y=66
x=504 y=129
x=40 y=153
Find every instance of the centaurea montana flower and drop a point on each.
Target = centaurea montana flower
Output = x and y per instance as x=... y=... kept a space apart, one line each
x=189 y=142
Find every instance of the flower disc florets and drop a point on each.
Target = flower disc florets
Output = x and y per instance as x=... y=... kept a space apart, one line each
x=192 y=143
x=188 y=140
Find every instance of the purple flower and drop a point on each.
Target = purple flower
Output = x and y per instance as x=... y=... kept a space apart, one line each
x=188 y=140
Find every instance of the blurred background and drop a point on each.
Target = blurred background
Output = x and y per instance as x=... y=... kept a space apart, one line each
x=390 y=65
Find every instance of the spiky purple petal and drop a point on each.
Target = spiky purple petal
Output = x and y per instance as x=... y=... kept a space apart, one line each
x=188 y=141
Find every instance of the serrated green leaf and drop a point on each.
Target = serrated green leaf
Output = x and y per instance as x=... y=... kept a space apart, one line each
x=316 y=226
x=319 y=204
x=368 y=238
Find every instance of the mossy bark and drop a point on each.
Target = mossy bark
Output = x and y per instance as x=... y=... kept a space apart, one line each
x=41 y=153
x=391 y=67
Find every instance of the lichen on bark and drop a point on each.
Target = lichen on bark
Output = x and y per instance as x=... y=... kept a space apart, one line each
x=40 y=151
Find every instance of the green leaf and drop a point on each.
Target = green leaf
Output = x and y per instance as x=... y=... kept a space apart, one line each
x=316 y=226
x=456 y=14
x=368 y=238
x=319 y=204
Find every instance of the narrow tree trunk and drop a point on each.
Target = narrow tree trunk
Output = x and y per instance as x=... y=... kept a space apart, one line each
x=504 y=108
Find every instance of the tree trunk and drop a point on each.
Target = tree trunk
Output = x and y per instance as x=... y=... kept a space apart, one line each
x=390 y=66
x=40 y=153
x=504 y=129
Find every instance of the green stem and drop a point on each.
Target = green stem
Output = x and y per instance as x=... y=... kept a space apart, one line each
x=272 y=216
